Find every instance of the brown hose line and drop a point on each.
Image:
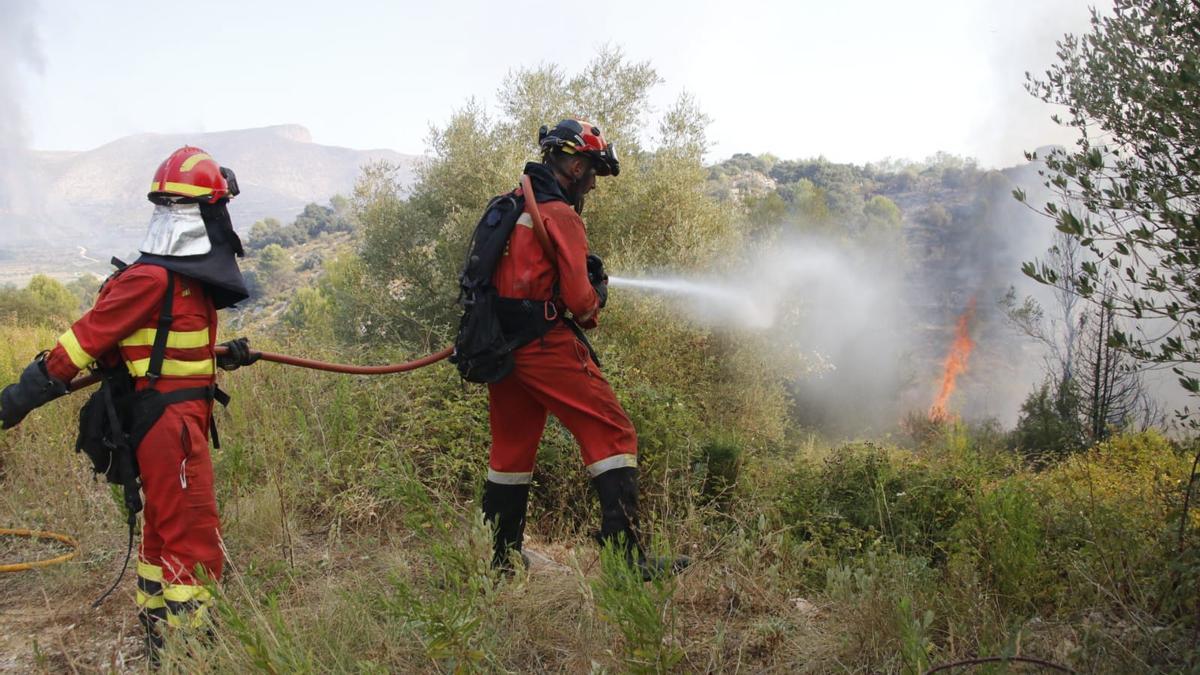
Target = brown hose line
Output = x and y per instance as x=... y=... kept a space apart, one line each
x=39 y=534
x=312 y=364
x=356 y=370
x=539 y=227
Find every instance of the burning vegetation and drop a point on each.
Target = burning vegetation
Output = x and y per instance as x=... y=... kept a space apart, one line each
x=955 y=363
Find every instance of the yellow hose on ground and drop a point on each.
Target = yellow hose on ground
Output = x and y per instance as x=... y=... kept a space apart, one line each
x=40 y=534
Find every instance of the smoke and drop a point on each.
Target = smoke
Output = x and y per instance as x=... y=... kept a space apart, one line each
x=1022 y=38
x=19 y=54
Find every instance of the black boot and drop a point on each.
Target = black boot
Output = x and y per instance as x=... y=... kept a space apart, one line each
x=154 y=621
x=152 y=610
x=618 y=493
x=504 y=510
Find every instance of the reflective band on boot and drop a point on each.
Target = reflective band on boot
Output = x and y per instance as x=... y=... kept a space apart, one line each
x=152 y=607
x=624 y=461
x=509 y=477
x=149 y=586
x=186 y=605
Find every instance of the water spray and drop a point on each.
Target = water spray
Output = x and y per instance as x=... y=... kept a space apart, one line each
x=734 y=302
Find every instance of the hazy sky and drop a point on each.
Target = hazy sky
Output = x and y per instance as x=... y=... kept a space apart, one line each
x=851 y=80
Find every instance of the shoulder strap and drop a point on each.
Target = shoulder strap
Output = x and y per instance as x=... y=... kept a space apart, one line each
x=159 y=351
x=120 y=266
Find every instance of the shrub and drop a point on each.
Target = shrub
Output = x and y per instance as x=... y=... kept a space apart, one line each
x=862 y=498
x=1005 y=538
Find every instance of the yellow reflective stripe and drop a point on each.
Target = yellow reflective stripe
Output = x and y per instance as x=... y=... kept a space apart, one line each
x=149 y=572
x=70 y=344
x=193 y=161
x=183 y=339
x=180 y=188
x=172 y=367
x=199 y=619
x=186 y=593
x=149 y=601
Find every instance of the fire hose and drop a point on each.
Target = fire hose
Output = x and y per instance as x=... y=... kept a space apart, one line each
x=312 y=364
x=39 y=534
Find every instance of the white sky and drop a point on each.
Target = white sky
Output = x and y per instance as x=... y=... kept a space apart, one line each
x=852 y=80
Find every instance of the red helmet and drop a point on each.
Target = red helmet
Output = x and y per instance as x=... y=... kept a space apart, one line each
x=576 y=136
x=192 y=174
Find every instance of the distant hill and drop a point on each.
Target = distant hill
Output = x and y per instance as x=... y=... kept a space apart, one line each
x=97 y=198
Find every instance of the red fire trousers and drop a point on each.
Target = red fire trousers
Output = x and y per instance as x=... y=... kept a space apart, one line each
x=181 y=528
x=555 y=374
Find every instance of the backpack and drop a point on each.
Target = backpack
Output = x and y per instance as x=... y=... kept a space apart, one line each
x=492 y=327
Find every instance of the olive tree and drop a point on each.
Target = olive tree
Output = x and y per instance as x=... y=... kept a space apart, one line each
x=1129 y=190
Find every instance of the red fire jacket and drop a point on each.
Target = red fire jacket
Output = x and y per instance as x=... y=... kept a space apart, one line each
x=122 y=324
x=525 y=271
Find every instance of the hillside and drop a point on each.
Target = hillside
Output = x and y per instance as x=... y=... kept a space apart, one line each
x=95 y=199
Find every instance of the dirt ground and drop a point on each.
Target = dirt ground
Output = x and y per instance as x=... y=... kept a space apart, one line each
x=44 y=630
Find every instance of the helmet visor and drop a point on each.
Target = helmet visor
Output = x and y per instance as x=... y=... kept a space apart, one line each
x=606 y=162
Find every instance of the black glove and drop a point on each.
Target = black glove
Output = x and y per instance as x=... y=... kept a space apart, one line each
x=598 y=277
x=237 y=354
x=35 y=388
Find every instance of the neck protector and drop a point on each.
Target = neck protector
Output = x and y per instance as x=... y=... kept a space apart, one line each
x=546 y=185
x=217 y=268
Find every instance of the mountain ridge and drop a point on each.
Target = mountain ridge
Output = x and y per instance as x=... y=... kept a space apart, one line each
x=97 y=196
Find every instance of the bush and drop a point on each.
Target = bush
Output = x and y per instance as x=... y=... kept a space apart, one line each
x=719 y=466
x=862 y=498
x=1005 y=536
x=1048 y=427
x=43 y=302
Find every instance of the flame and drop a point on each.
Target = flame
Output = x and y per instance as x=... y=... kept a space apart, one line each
x=956 y=361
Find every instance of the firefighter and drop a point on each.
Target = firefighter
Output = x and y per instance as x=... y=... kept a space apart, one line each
x=187 y=270
x=558 y=372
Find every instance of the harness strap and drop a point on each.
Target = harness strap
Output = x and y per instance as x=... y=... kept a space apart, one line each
x=524 y=321
x=189 y=394
x=163 y=401
x=159 y=352
x=582 y=338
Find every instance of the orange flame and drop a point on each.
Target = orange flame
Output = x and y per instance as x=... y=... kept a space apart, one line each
x=956 y=362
